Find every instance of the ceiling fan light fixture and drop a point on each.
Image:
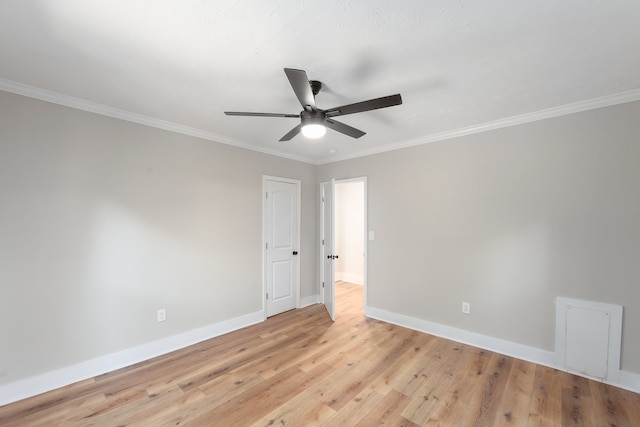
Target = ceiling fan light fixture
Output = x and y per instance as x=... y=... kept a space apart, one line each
x=315 y=121
x=314 y=130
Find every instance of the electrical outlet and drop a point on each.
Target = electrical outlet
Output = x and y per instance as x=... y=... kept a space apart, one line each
x=466 y=308
x=161 y=315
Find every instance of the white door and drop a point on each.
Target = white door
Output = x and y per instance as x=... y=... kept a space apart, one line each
x=328 y=257
x=281 y=245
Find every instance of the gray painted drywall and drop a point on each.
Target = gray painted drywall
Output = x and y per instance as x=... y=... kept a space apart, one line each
x=102 y=222
x=508 y=220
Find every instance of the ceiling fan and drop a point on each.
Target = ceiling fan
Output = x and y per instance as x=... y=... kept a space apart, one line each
x=313 y=120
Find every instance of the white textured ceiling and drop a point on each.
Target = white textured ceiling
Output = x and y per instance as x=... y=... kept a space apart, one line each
x=457 y=64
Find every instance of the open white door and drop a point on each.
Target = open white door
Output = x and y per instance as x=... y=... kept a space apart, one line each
x=327 y=191
x=281 y=217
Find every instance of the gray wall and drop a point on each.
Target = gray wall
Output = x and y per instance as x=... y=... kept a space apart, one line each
x=508 y=220
x=103 y=221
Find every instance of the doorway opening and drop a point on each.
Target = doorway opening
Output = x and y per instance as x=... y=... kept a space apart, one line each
x=350 y=238
x=344 y=202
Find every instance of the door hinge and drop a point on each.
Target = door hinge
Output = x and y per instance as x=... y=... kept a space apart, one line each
x=266 y=246
x=322 y=242
x=266 y=195
x=323 y=284
x=267 y=295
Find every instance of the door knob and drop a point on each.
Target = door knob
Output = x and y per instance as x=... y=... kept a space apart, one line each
x=332 y=256
x=295 y=252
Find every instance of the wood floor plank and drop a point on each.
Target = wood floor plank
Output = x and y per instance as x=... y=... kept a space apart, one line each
x=210 y=368
x=399 y=368
x=483 y=407
x=342 y=383
x=356 y=409
x=433 y=381
x=424 y=368
x=112 y=402
x=454 y=404
x=143 y=409
x=236 y=360
x=300 y=368
x=545 y=405
x=514 y=407
x=41 y=406
x=155 y=416
x=313 y=415
x=627 y=402
x=310 y=404
x=57 y=415
x=576 y=402
x=249 y=406
x=388 y=412
x=610 y=410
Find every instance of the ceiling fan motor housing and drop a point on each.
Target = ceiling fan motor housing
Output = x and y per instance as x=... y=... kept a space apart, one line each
x=312 y=117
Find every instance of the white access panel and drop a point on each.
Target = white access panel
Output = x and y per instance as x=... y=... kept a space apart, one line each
x=588 y=338
x=587 y=342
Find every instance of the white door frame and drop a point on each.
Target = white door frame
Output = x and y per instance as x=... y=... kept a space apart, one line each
x=362 y=179
x=298 y=184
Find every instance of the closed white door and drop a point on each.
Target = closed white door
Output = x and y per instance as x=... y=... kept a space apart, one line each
x=281 y=246
x=328 y=257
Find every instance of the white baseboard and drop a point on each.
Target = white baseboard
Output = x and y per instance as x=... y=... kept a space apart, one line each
x=358 y=279
x=310 y=300
x=32 y=386
x=52 y=380
x=627 y=380
x=508 y=348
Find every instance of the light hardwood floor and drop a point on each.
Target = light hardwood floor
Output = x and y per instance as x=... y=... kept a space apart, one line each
x=299 y=369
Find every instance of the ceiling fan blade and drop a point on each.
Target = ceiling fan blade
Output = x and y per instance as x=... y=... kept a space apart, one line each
x=345 y=129
x=242 y=113
x=358 y=107
x=293 y=132
x=302 y=88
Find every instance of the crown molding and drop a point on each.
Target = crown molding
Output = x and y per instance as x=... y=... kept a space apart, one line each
x=105 y=110
x=93 y=107
x=563 y=110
